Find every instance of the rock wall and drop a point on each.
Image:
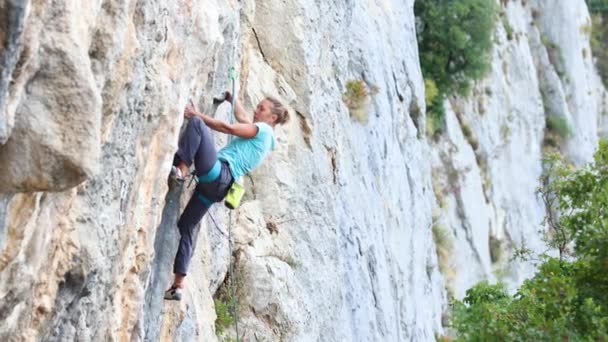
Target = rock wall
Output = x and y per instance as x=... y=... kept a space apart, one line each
x=334 y=239
x=90 y=122
x=96 y=97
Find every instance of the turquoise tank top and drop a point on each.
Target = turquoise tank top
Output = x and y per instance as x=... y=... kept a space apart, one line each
x=244 y=155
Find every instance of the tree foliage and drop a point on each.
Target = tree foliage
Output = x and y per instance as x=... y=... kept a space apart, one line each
x=567 y=298
x=599 y=36
x=598 y=6
x=454 y=39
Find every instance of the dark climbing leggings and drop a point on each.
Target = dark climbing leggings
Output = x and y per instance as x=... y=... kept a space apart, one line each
x=196 y=145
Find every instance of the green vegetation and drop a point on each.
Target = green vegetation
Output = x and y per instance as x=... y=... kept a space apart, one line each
x=434 y=116
x=224 y=316
x=454 y=39
x=356 y=98
x=443 y=248
x=468 y=134
x=557 y=130
x=505 y=132
x=508 y=28
x=225 y=301
x=598 y=6
x=432 y=98
x=566 y=300
x=430 y=91
x=559 y=125
x=495 y=249
x=356 y=92
x=599 y=36
x=289 y=260
x=556 y=57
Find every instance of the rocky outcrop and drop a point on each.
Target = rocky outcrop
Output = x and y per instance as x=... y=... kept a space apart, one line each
x=52 y=81
x=13 y=15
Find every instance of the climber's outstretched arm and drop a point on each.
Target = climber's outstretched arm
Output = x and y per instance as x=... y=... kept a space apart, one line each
x=243 y=130
x=239 y=112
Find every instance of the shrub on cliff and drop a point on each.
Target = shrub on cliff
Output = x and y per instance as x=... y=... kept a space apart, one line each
x=454 y=40
x=357 y=97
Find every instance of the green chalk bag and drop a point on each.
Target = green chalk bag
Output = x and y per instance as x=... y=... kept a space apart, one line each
x=234 y=196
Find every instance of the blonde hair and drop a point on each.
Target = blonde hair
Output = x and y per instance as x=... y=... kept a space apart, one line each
x=279 y=110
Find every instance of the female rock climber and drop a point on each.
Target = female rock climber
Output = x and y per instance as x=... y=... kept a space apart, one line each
x=216 y=171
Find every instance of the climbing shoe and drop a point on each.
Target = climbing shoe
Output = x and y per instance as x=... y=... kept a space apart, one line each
x=176 y=177
x=174 y=293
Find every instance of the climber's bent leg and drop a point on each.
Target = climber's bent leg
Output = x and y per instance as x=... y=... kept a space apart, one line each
x=196 y=145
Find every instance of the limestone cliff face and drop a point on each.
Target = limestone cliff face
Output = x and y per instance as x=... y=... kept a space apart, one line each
x=333 y=241
x=91 y=115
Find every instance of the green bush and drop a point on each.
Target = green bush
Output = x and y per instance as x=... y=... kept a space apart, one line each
x=599 y=36
x=435 y=112
x=356 y=98
x=559 y=126
x=226 y=300
x=566 y=300
x=430 y=91
x=557 y=130
x=454 y=40
x=598 y=6
x=223 y=311
x=508 y=28
x=444 y=248
x=599 y=46
x=356 y=92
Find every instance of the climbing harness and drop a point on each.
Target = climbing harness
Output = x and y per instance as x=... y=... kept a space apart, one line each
x=212 y=174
